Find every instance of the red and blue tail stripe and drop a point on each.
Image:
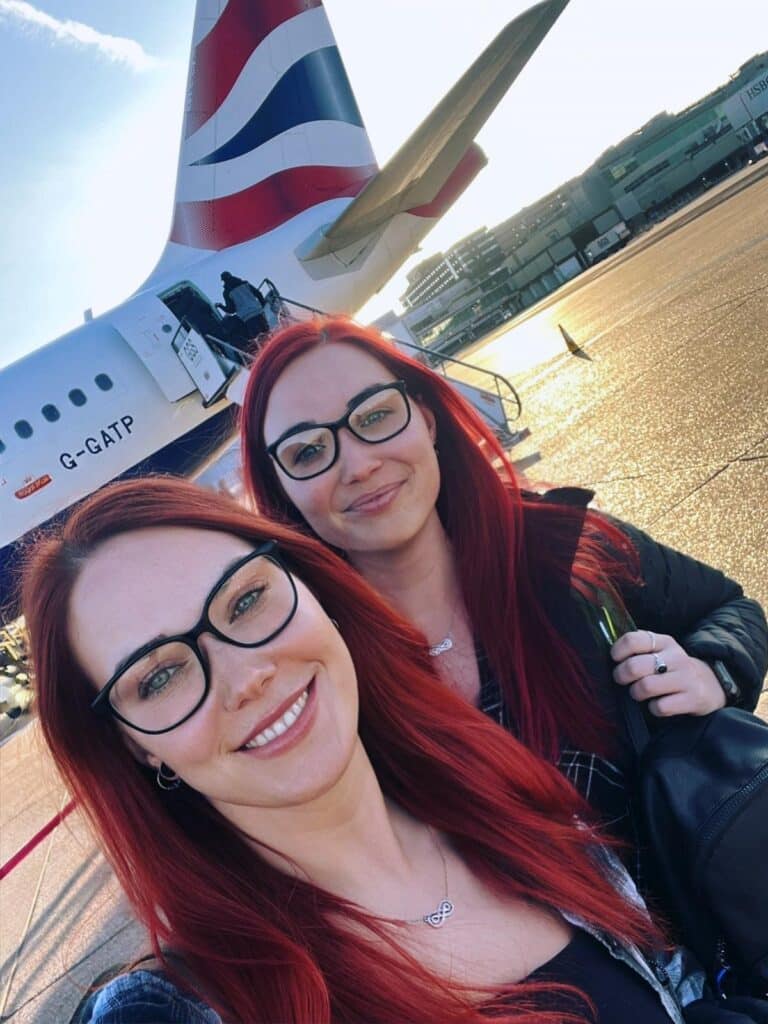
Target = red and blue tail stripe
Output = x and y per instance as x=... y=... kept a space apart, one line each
x=272 y=126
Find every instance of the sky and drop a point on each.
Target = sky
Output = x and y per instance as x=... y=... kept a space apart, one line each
x=93 y=98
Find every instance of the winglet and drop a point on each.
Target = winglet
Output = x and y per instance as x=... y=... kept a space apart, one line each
x=415 y=175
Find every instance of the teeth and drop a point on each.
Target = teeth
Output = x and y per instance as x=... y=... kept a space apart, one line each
x=279 y=727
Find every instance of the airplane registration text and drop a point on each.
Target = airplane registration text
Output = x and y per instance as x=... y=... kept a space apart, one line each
x=108 y=435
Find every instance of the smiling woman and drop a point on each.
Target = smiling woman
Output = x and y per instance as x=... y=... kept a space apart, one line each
x=504 y=583
x=311 y=827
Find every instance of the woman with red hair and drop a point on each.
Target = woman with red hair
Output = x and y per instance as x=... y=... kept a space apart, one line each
x=312 y=828
x=350 y=439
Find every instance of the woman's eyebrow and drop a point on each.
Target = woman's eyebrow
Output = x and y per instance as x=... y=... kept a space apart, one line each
x=304 y=425
x=352 y=402
x=124 y=661
x=221 y=584
x=366 y=392
x=218 y=587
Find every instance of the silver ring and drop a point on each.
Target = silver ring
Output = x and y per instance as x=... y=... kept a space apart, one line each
x=660 y=666
x=652 y=638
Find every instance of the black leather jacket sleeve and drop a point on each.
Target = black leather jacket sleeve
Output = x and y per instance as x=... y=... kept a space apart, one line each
x=705 y=611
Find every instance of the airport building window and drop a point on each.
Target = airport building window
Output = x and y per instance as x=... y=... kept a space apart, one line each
x=103 y=382
x=23 y=428
x=51 y=413
x=77 y=397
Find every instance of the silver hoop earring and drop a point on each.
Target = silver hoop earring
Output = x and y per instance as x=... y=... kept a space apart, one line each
x=167 y=778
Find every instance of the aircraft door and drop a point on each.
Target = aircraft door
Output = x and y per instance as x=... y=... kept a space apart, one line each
x=201 y=363
x=149 y=327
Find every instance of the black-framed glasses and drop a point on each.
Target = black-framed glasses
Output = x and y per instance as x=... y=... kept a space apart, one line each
x=163 y=683
x=375 y=415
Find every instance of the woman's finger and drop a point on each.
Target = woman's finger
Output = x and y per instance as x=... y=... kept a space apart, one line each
x=641 y=665
x=650 y=687
x=640 y=641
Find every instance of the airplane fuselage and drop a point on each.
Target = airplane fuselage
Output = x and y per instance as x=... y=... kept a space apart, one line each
x=94 y=404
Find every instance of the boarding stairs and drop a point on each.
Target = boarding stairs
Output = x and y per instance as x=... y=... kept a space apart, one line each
x=490 y=394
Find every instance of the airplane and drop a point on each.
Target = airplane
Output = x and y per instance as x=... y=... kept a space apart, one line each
x=276 y=180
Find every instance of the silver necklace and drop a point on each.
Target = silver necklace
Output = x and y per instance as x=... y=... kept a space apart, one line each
x=445 y=908
x=446 y=644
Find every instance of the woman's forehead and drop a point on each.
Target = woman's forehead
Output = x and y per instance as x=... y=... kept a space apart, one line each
x=140 y=586
x=319 y=384
x=155 y=578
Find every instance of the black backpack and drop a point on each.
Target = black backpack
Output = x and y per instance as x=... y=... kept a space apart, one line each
x=702 y=794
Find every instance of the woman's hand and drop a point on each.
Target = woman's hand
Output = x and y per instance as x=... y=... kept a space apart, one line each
x=657 y=670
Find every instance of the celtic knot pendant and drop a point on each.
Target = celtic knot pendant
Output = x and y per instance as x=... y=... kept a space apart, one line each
x=438 y=917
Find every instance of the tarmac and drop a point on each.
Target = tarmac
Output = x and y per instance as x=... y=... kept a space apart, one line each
x=667 y=420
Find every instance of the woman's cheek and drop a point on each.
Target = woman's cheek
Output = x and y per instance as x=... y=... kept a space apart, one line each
x=314 y=501
x=190 y=744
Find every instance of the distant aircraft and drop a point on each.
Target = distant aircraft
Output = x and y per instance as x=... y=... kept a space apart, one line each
x=276 y=180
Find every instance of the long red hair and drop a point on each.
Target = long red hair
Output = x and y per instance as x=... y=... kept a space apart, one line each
x=262 y=946
x=510 y=548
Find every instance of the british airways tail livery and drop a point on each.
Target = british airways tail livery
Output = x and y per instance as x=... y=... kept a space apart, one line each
x=276 y=180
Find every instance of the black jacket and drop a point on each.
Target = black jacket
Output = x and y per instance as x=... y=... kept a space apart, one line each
x=702 y=608
x=705 y=611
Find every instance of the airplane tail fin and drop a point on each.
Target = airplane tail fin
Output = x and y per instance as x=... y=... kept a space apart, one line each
x=271 y=125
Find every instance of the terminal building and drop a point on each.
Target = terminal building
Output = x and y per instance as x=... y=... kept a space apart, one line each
x=455 y=297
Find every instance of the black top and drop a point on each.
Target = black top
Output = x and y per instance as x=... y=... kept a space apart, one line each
x=618 y=993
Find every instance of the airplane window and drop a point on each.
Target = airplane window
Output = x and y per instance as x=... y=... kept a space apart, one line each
x=77 y=397
x=103 y=382
x=23 y=428
x=51 y=413
x=2 y=447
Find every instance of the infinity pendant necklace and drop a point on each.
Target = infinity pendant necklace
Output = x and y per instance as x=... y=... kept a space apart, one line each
x=444 y=909
x=446 y=644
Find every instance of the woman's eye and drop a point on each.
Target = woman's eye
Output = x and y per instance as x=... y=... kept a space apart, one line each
x=246 y=602
x=307 y=453
x=157 y=681
x=373 y=417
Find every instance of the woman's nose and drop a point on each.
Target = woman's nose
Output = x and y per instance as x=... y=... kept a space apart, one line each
x=239 y=674
x=357 y=459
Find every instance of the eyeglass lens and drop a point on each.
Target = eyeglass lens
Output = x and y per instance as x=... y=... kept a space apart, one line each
x=376 y=418
x=167 y=684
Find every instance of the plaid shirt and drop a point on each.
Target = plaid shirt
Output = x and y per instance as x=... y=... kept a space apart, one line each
x=602 y=783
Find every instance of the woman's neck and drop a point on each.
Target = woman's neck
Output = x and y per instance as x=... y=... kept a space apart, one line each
x=419 y=579
x=350 y=841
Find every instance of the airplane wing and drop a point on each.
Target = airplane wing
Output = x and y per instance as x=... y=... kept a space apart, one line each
x=422 y=166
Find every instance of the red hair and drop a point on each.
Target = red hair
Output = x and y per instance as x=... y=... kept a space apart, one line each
x=263 y=946
x=504 y=563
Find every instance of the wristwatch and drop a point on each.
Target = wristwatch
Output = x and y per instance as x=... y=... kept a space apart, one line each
x=730 y=687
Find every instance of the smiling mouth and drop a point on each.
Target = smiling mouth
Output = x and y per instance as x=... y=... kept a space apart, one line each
x=374 y=499
x=281 y=725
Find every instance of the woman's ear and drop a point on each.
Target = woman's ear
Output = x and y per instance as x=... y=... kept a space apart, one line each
x=429 y=417
x=137 y=751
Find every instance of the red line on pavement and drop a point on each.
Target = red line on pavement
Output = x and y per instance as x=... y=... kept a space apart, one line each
x=36 y=839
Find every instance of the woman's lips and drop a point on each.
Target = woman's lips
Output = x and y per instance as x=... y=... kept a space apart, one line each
x=293 y=734
x=275 y=714
x=375 y=501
